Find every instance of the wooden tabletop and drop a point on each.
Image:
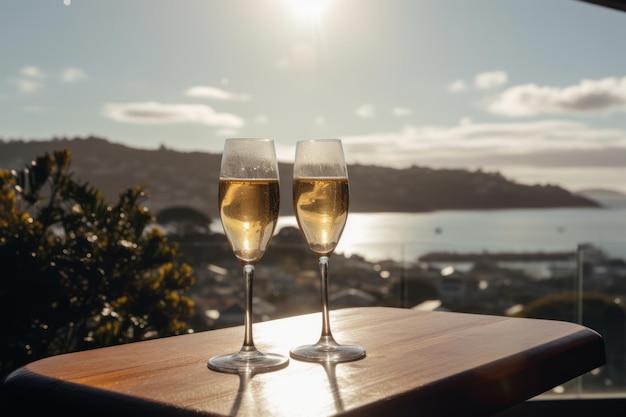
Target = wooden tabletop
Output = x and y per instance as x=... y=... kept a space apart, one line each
x=417 y=363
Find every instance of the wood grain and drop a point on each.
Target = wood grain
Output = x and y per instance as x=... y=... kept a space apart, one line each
x=418 y=363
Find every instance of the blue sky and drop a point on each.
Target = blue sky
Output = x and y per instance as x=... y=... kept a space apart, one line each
x=534 y=89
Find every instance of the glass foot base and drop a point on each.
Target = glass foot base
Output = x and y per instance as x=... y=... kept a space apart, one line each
x=256 y=362
x=324 y=352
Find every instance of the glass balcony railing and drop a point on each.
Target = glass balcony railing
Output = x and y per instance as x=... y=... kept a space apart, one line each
x=584 y=283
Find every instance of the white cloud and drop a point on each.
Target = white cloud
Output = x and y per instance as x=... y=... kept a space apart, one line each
x=457 y=86
x=30 y=79
x=365 y=111
x=589 y=96
x=72 y=74
x=401 y=111
x=28 y=86
x=215 y=93
x=32 y=71
x=482 y=81
x=489 y=80
x=159 y=113
x=470 y=142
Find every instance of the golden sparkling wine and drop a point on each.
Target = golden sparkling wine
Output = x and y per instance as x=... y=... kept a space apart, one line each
x=249 y=212
x=321 y=206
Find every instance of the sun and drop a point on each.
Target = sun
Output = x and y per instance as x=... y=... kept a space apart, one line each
x=308 y=9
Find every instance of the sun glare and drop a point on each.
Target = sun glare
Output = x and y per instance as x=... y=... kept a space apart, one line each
x=308 y=9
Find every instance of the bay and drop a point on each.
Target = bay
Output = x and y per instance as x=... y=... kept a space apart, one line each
x=404 y=237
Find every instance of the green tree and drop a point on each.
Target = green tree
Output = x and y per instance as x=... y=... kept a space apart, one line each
x=77 y=272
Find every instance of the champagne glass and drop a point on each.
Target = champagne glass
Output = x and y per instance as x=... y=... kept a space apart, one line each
x=321 y=198
x=249 y=199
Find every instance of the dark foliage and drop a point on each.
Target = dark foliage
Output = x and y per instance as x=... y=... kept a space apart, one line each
x=77 y=272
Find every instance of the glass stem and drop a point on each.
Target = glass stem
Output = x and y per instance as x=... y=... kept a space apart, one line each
x=326 y=333
x=248 y=341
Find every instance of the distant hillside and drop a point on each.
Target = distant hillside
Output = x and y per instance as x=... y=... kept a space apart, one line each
x=601 y=193
x=607 y=198
x=190 y=178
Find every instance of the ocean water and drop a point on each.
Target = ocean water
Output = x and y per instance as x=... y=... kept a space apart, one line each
x=406 y=236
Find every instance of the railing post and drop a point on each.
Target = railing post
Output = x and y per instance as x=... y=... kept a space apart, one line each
x=579 y=282
x=580 y=260
x=402 y=278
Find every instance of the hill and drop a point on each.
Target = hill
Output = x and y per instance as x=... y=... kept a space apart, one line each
x=190 y=178
x=605 y=197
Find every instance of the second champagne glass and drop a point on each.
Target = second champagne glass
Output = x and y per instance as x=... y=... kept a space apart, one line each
x=249 y=200
x=321 y=198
